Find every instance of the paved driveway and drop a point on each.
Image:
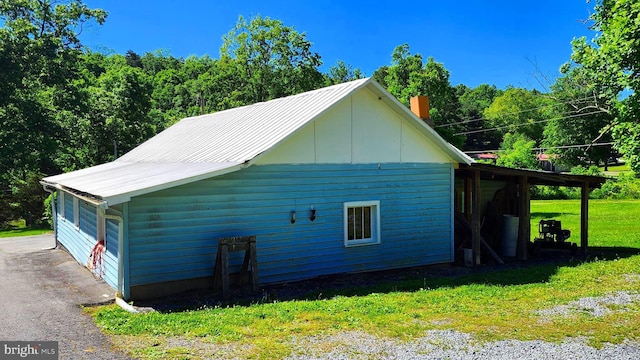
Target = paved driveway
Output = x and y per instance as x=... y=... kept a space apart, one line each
x=41 y=290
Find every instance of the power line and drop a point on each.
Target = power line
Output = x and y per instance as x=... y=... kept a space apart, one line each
x=527 y=124
x=515 y=113
x=573 y=146
x=542 y=148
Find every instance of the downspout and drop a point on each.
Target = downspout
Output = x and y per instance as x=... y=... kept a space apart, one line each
x=120 y=220
x=54 y=214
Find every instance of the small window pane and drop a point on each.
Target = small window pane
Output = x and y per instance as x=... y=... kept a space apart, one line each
x=367 y=222
x=352 y=225
x=358 y=223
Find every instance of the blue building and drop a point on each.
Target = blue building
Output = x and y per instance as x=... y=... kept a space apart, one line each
x=379 y=181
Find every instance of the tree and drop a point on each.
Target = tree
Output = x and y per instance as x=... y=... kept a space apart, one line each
x=612 y=63
x=575 y=131
x=408 y=76
x=341 y=73
x=268 y=60
x=517 y=152
x=519 y=111
x=115 y=116
x=133 y=59
x=39 y=51
x=473 y=102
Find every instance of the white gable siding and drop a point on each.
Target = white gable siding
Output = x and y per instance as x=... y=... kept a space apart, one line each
x=377 y=130
x=416 y=148
x=359 y=130
x=333 y=135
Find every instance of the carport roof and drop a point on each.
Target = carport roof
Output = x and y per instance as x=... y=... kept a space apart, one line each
x=536 y=177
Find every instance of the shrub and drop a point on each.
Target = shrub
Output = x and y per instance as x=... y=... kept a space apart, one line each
x=48 y=214
x=626 y=186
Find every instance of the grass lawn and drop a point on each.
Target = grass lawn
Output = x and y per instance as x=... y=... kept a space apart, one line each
x=612 y=223
x=18 y=228
x=496 y=305
x=615 y=170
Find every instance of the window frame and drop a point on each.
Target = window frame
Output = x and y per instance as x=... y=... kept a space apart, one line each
x=61 y=205
x=374 y=223
x=76 y=212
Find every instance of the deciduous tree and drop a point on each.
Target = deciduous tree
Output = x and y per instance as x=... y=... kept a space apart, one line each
x=408 y=76
x=268 y=60
x=39 y=51
x=612 y=62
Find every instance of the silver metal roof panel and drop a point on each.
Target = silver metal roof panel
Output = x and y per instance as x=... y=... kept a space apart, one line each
x=209 y=145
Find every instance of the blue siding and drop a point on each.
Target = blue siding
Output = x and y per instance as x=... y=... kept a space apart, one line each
x=68 y=207
x=79 y=241
x=173 y=233
x=88 y=221
x=110 y=256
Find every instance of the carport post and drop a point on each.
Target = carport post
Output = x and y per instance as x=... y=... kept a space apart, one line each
x=467 y=197
x=475 y=218
x=584 y=217
x=524 y=226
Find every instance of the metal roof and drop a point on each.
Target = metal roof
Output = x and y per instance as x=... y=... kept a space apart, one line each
x=239 y=134
x=536 y=177
x=118 y=181
x=209 y=145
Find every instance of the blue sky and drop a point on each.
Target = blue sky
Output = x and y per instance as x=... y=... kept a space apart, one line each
x=495 y=42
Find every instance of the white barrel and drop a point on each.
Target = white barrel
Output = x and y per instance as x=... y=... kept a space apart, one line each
x=510 y=225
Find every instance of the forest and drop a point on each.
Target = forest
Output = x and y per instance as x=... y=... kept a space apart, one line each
x=65 y=107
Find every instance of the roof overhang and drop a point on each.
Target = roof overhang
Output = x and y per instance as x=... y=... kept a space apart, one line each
x=118 y=181
x=536 y=177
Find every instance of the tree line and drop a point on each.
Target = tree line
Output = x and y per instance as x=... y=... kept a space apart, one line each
x=64 y=107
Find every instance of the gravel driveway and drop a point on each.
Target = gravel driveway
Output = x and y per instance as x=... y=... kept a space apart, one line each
x=41 y=290
x=454 y=345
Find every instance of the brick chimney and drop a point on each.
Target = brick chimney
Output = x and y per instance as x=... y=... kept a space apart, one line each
x=420 y=107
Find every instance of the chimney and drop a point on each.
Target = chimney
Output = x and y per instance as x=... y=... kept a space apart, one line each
x=420 y=107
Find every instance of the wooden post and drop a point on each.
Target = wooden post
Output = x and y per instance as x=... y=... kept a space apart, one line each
x=249 y=269
x=584 y=218
x=467 y=197
x=224 y=263
x=475 y=218
x=253 y=254
x=524 y=226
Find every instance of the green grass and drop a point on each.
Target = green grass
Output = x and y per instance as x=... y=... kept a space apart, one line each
x=18 y=228
x=491 y=306
x=615 y=170
x=612 y=223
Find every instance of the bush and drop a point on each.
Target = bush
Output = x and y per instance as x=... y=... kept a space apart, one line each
x=7 y=212
x=29 y=197
x=48 y=214
x=591 y=170
x=626 y=186
x=543 y=192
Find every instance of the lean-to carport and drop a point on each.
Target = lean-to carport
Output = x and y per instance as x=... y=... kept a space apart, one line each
x=469 y=195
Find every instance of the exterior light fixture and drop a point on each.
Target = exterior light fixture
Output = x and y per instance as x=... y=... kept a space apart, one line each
x=293 y=217
x=313 y=214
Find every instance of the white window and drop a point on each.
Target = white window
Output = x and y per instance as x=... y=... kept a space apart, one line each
x=361 y=223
